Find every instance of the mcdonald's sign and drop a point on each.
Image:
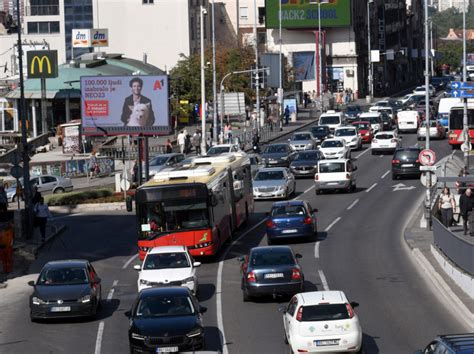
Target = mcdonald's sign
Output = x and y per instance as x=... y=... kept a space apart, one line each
x=42 y=64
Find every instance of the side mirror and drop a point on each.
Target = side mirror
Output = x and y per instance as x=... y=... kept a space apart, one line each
x=315 y=210
x=128 y=313
x=137 y=267
x=354 y=168
x=196 y=264
x=31 y=283
x=202 y=309
x=289 y=139
x=282 y=308
x=241 y=259
x=354 y=304
x=128 y=203
x=98 y=280
x=298 y=256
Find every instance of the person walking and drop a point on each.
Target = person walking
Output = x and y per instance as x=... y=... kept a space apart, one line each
x=168 y=146
x=466 y=202
x=3 y=199
x=181 y=141
x=446 y=204
x=287 y=115
x=42 y=214
x=36 y=196
x=196 y=142
x=93 y=166
x=226 y=133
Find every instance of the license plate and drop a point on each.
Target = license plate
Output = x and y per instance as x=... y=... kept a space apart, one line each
x=321 y=343
x=273 y=162
x=289 y=231
x=407 y=165
x=167 y=350
x=273 y=275
x=332 y=183
x=304 y=171
x=266 y=195
x=383 y=146
x=61 y=309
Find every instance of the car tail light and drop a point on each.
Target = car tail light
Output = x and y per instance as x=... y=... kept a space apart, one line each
x=308 y=220
x=316 y=177
x=299 y=314
x=302 y=351
x=251 y=277
x=394 y=162
x=350 y=310
x=295 y=274
x=270 y=224
x=393 y=140
x=348 y=176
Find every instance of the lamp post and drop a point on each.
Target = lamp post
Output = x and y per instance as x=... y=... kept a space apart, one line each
x=280 y=84
x=214 y=93
x=257 y=74
x=369 y=50
x=319 y=84
x=203 y=12
x=464 y=78
x=427 y=113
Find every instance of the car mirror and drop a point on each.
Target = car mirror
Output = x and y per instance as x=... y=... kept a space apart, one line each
x=315 y=210
x=128 y=313
x=354 y=304
x=298 y=256
x=31 y=283
x=196 y=264
x=241 y=259
x=354 y=168
x=282 y=308
x=137 y=267
x=400 y=137
x=202 y=309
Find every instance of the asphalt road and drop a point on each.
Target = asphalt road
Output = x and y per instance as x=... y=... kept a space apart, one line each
x=359 y=250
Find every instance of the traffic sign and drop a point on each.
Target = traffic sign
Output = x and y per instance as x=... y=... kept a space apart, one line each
x=462 y=85
x=466 y=146
x=466 y=93
x=427 y=157
x=428 y=179
x=16 y=171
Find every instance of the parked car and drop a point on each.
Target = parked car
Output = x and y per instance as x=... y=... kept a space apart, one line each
x=168 y=266
x=335 y=175
x=320 y=321
x=159 y=162
x=436 y=130
x=405 y=162
x=67 y=288
x=45 y=184
x=222 y=148
x=450 y=344
x=5 y=177
x=302 y=141
x=385 y=142
x=292 y=219
x=335 y=148
x=305 y=163
x=273 y=182
x=351 y=135
x=278 y=155
x=164 y=320
x=365 y=131
x=271 y=270
x=320 y=133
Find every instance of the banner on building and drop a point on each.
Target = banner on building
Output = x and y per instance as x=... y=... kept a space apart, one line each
x=113 y=105
x=90 y=37
x=303 y=64
x=303 y=14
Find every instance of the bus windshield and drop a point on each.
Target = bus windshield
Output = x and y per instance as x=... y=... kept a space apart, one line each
x=158 y=218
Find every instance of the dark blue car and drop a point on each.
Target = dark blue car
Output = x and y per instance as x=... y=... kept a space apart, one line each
x=294 y=218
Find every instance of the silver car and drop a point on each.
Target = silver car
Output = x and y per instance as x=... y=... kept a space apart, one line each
x=273 y=182
x=159 y=162
x=45 y=183
x=302 y=141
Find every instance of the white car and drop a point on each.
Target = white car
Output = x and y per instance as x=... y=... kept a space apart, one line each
x=335 y=175
x=385 y=142
x=420 y=90
x=350 y=135
x=375 y=119
x=322 y=321
x=168 y=266
x=335 y=148
x=222 y=149
x=332 y=119
x=408 y=121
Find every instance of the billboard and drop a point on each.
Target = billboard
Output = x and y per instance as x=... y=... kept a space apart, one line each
x=90 y=37
x=112 y=105
x=302 y=14
x=42 y=64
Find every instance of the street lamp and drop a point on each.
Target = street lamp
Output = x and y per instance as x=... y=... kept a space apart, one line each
x=214 y=91
x=203 y=12
x=257 y=73
x=369 y=51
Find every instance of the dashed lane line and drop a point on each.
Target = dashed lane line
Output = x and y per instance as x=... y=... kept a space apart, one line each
x=316 y=250
x=353 y=204
x=332 y=224
x=131 y=259
x=323 y=280
x=371 y=187
x=111 y=291
x=98 y=342
x=385 y=174
x=362 y=153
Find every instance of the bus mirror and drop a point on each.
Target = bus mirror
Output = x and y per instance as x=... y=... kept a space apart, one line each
x=214 y=200
x=128 y=203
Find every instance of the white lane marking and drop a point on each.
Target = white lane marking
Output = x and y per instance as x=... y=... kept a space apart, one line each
x=416 y=145
x=98 y=342
x=66 y=216
x=332 y=224
x=323 y=280
x=371 y=187
x=362 y=153
x=316 y=250
x=111 y=292
x=308 y=189
x=220 y=319
x=381 y=156
x=127 y=263
x=385 y=174
x=353 y=204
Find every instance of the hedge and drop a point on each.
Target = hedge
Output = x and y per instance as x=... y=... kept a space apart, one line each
x=73 y=198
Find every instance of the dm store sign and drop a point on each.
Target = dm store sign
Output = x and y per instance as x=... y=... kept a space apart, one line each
x=86 y=38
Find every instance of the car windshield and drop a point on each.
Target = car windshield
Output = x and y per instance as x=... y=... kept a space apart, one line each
x=319 y=130
x=288 y=210
x=63 y=276
x=269 y=175
x=164 y=306
x=332 y=167
x=217 y=150
x=361 y=126
x=373 y=120
x=353 y=109
x=271 y=258
x=384 y=136
x=273 y=149
x=159 y=160
x=166 y=260
x=307 y=155
x=326 y=312
x=407 y=155
x=331 y=144
x=301 y=137
x=329 y=120
x=345 y=132
x=432 y=124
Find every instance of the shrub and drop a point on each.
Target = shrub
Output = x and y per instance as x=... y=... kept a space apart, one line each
x=79 y=197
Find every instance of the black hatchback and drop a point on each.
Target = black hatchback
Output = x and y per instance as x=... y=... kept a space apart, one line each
x=320 y=133
x=405 y=162
x=165 y=320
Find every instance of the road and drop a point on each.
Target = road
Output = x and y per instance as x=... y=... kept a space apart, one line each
x=359 y=250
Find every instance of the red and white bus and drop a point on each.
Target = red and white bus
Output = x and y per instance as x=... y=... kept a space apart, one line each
x=455 y=123
x=198 y=205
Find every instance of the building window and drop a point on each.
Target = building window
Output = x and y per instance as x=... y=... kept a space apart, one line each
x=43 y=27
x=148 y=2
x=244 y=13
x=261 y=15
x=262 y=37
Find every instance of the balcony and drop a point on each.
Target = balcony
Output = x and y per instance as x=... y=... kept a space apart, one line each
x=42 y=10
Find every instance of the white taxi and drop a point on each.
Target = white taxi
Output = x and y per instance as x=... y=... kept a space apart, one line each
x=321 y=321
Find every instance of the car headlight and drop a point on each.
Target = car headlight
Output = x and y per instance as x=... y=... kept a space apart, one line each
x=284 y=157
x=85 y=299
x=255 y=190
x=280 y=188
x=144 y=282
x=138 y=336
x=195 y=332
x=354 y=139
x=38 y=301
x=187 y=280
x=367 y=134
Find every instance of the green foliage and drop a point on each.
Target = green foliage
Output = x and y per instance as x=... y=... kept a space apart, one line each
x=74 y=198
x=451 y=52
x=452 y=18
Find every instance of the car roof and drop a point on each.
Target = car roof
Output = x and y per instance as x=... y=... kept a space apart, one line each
x=167 y=249
x=370 y=114
x=222 y=145
x=361 y=121
x=461 y=343
x=320 y=297
x=386 y=132
x=272 y=169
x=66 y=263
x=334 y=139
x=302 y=132
x=268 y=249
x=408 y=149
x=320 y=162
x=164 y=291
x=277 y=144
x=346 y=127
x=289 y=202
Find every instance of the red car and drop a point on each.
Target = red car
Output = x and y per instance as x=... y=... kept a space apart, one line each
x=365 y=131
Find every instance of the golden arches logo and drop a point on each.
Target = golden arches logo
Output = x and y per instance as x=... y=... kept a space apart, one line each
x=40 y=64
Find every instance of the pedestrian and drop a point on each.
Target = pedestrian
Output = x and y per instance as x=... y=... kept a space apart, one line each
x=229 y=134
x=446 y=204
x=3 y=199
x=93 y=166
x=287 y=115
x=226 y=132
x=181 y=141
x=460 y=185
x=196 y=142
x=466 y=202
x=36 y=196
x=305 y=99
x=42 y=214
x=168 y=146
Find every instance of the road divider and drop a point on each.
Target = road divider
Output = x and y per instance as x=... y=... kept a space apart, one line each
x=111 y=292
x=98 y=342
x=362 y=153
x=131 y=259
x=316 y=250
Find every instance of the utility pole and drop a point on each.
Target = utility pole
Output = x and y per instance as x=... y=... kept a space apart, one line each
x=464 y=78
x=369 y=50
x=280 y=84
x=427 y=114
x=203 y=12
x=257 y=74
x=214 y=91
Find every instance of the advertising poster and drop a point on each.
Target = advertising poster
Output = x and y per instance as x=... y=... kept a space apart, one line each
x=113 y=105
x=303 y=64
x=303 y=14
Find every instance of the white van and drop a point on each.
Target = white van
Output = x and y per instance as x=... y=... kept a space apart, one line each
x=375 y=119
x=408 y=121
x=335 y=175
x=332 y=119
